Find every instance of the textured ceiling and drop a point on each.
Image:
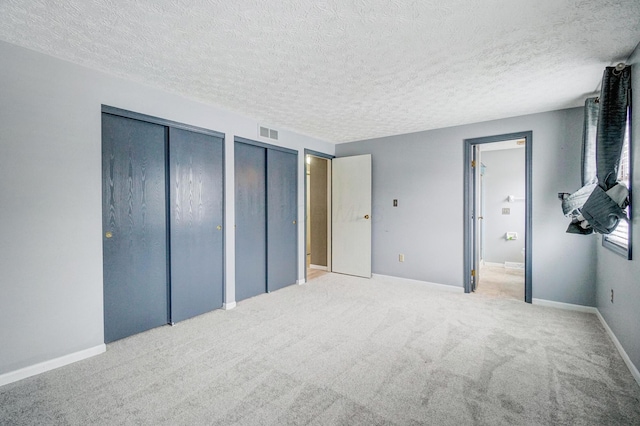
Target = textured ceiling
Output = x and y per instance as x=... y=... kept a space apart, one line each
x=343 y=70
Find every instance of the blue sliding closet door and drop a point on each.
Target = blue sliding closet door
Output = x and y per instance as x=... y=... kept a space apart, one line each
x=282 y=215
x=134 y=226
x=196 y=218
x=251 y=229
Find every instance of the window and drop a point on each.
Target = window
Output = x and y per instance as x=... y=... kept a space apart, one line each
x=620 y=239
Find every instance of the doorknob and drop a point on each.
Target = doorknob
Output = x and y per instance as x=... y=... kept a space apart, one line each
x=294 y=222
x=218 y=227
x=480 y=217
x=366 y=216
x=108 y=234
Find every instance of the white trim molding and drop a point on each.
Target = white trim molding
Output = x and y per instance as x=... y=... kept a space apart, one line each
x=632 y=368
x=228 y=306
x=565 y=306
x=52 y=364
x=590 y=309
x=301 y=281
x=444 y=287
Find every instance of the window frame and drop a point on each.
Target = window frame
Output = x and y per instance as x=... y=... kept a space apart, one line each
x=626 y=168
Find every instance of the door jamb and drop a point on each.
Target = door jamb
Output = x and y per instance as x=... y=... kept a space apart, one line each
x=327 y=157
x=468 y=210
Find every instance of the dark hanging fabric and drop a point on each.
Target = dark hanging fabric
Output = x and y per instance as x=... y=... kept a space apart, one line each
x=589 y=132
x=592 y=207
x=612 y=124
x=602 y=213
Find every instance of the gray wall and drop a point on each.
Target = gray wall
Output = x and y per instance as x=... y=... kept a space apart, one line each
x=318 y=214
x=424 y=171
x=614 y=272
x=50 y=187
x=503 y=176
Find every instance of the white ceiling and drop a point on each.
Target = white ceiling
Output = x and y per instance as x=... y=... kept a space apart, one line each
x=343 y=70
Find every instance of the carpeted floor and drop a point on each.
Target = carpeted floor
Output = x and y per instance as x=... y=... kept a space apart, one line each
x=345 y=350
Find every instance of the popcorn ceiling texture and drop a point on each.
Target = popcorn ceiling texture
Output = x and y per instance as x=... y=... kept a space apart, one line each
x=343 y=70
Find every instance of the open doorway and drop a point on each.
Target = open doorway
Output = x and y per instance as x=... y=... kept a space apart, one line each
x=502 y=219
x=318 y=215
x=498 y=216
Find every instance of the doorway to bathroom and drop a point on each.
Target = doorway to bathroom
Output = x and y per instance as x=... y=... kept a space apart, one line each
x=498 y=216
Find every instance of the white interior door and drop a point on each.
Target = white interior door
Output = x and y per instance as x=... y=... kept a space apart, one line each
x=351 y=215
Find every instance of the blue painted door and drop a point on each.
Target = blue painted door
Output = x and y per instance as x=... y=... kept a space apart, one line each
x=477 y=218
x=134 y=226
x=282 y=215
x=250 y=221
x=196 y=214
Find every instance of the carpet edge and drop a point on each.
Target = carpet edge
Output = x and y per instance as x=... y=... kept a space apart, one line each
x=625 y=357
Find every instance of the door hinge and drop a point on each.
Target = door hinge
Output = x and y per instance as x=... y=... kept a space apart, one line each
x=473 y=163
x=473 y=272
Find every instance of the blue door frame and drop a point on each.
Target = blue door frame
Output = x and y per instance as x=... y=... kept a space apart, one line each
x=469 y=213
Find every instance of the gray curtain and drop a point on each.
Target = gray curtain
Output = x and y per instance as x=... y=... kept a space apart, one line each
x=598 y=205
x=612 y=124
x=589 y=132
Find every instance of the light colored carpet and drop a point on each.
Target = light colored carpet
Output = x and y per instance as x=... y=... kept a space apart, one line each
x=345 y=350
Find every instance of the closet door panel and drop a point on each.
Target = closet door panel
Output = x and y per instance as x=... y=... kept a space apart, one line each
x=282 y=215
x=250 y=220
x=134 y=226
x=196 y=218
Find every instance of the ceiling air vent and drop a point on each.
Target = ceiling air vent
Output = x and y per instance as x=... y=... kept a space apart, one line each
x=265 y=132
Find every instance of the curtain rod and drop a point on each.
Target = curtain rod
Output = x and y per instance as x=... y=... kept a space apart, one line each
x=621 y=66
x=617 y=70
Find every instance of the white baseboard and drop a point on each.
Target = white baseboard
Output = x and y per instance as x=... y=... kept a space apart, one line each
x=589 y=309
x=632 y=368
x=322 y=268
x=228 y=306
x=32 y=370
x=437 y=286
x=301 y=281
x=565 y=306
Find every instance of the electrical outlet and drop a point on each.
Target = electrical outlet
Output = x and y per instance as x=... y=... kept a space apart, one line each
x=506 y=210
x=611 y=295
x=395 y=203
x=401 y=258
